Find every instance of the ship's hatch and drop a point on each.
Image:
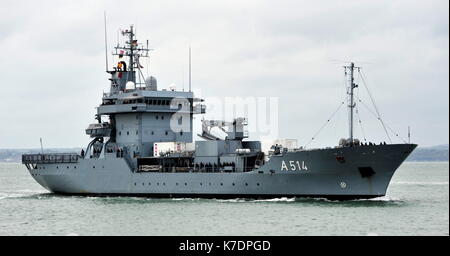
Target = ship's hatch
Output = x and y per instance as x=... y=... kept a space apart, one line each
x=366 y=171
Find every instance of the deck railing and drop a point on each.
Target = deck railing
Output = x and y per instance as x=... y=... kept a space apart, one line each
x=50 y=158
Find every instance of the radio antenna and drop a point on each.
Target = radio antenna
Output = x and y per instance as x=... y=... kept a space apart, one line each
x=106 y=43
x=42 y=148
x=189 y=68
x=409 y=135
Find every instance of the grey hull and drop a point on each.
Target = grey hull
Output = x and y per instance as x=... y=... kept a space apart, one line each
x=337 y=173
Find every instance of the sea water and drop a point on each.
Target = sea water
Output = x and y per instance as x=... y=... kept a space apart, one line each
x=417 y=203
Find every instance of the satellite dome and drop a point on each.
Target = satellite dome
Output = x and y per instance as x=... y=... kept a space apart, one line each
x=130 y=85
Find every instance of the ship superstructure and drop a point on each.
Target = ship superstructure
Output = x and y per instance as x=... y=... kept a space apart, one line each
x=142 y=145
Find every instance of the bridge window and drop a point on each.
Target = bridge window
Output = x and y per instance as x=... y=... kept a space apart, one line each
x=162 y=117
x=157 y=117
x=167 y=133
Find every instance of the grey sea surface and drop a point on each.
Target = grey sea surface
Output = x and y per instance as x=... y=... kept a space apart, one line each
x=417 y=203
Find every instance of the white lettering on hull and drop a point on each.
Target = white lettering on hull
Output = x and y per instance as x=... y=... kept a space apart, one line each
x=294 y=166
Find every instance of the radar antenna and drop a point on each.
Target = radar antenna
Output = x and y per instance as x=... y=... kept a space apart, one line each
x=132 y=49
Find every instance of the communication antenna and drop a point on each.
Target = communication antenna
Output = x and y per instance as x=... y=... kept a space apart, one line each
x=42 y=148
x=189 y=68
x=106 y=43
x=409 y=135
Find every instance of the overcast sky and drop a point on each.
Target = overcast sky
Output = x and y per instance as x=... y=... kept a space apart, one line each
x=52 y=62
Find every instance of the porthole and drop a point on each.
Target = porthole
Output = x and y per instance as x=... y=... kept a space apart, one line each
x=57 y=167
x=157 y=117
x=167 y=132
x=233 y=184
x=149 y=184
x=93 y=166
x=201 y=184
x=67 y=167
x=143 y=183
x=164 y=183
x=128 y=133
x=257 y=184
x=135 y=183
x=246 y=184
x=162 y=117
x=185 y=184
x=176 y=184
x=210 y=183
x=157 y=184
x=221 y=184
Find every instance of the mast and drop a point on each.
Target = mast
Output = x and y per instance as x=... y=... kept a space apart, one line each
x=133 y=50
x=189 y=68
x=351 y=103
x=106 y=44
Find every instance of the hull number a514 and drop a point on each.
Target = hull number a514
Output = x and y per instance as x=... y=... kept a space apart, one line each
x=293 y=166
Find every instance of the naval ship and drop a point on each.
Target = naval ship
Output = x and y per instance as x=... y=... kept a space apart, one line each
x=142 y=145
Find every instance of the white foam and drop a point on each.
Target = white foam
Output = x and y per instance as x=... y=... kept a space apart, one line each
x=243 y=200
x=382 y=199
x=19 y=193
x=282 y=199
